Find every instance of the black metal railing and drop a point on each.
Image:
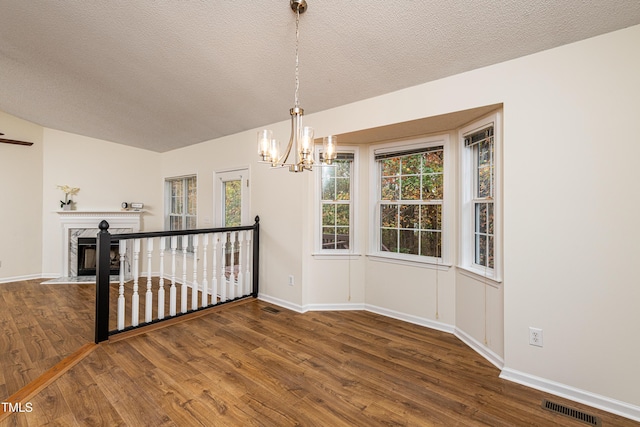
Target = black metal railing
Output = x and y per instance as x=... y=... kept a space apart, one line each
x=229 y=275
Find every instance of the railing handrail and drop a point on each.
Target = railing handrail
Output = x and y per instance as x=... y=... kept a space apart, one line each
x=103 y=245
x=150 y=234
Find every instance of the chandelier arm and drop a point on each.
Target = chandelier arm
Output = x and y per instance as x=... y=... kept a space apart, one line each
x=285 y=156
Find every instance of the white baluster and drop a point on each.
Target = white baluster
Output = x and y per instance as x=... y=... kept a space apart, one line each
x=231 y=282
x=163 y=243
x=205 y=283
x=149 y=295
x=183 y=287
x=123 y=252
x=247 y=277
x=194 y=285
x=223 y=262
x=239 y=284
x=214 y=277
x=135 y=299
x=172 y=290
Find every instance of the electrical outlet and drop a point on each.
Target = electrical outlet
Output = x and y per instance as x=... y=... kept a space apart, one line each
x=535 y=336
x=291 y=280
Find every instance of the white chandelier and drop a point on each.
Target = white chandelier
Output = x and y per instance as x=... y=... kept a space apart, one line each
x=301 y=139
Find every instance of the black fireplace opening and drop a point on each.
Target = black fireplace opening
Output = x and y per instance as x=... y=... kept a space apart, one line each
x=88 y=257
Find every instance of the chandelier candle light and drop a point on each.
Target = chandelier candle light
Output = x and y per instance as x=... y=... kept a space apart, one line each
x=301 y=139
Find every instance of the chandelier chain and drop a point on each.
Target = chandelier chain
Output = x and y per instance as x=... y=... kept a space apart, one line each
x=296 y=100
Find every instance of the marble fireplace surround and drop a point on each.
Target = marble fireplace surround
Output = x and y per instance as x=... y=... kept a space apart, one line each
x=85 y=224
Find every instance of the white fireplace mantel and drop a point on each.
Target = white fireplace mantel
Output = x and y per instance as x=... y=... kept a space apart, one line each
x=85 y=223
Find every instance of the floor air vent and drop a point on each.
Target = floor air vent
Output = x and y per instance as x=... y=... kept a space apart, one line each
x=592 y=420
x=270 y=309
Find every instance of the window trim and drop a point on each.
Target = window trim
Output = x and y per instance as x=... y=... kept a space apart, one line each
x=466 y=261
x=353 y=250
x=444 y=261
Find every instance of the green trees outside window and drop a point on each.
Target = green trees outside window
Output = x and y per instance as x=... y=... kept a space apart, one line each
x=411 y=196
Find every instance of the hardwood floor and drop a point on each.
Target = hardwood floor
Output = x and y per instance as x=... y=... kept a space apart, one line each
x=39 y=326
x=243 y=364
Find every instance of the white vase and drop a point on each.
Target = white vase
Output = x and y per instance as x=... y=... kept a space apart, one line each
x=66 y=207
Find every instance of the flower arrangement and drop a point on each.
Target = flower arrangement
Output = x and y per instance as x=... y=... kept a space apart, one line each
x=68 y=192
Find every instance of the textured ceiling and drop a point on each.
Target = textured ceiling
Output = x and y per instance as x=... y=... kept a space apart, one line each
x=162 y=74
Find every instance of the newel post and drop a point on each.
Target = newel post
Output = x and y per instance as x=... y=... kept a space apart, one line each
x=103 y=268
x=256 y=256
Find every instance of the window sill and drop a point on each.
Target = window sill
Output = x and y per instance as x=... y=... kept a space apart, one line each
x=337 y=255
x=441 y=266
x=479 y=276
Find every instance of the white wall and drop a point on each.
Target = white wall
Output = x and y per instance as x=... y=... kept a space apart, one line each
x=107 y=175
x=20 y=190
x=570 y=198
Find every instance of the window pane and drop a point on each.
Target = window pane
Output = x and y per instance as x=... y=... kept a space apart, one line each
x=484 y=178
x=343 y=168
x=484 y=182
x=390 y=167
x=342 y=189
x=389 y=240
x=481 y=218
x=191 y=222
x=409 y=216
x=411 y=164
x=490 y=218
x=433 y=162
x=177 y=197
x=342 y=238
x=432 y=188
x=175 y=223
x=342 y=215
x=410 y=187
x=191 y=195
x=389 y=189
x=389 y=215
x=328 y=214
x=328 y=238
x=481 y=249
x=430 y=244
x=431 y=217
x=409 y=242
x=328 y=183
x=232 y=203
x=490 y=251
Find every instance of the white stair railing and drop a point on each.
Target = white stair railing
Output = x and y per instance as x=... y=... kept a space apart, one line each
x=231 y=249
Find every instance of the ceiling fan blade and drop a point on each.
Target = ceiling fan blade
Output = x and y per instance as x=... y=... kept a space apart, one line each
x=14 y=141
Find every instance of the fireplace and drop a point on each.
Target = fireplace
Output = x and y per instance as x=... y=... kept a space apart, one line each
x=78 y=225
x=88 y=257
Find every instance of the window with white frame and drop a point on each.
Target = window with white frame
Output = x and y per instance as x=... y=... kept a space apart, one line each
x=181 y=203
x=480 y=197
x=336 y=205
x=410 y=199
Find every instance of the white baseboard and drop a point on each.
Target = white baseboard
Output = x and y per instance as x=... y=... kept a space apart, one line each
x=281 y=303
x=334 y=307
x=608 y=404
x=20 y=278
x=421 y=321
x=479 y=348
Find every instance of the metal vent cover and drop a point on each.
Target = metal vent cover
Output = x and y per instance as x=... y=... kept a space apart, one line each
x=571 y=413
x=270 y=309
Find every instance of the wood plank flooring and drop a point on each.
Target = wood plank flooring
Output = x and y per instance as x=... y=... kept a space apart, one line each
x=39 y=326
x=241 y=365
